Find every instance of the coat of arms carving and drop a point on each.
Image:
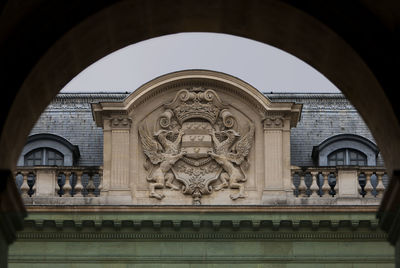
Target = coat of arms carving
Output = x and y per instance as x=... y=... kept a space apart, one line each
x=198 y=148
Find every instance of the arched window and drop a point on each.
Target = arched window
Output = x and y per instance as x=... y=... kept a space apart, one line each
x=48 y=150
x=347 y=157
x=44 y=157
x=345 y=149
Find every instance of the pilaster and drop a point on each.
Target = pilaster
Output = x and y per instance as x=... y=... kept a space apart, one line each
x=118 y=152
x=276 y=156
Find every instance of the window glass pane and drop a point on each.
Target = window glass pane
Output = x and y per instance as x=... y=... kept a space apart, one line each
x=34 y=158
x=337 y=158
x=347 y=157
x=358 y=158
x=54 y=158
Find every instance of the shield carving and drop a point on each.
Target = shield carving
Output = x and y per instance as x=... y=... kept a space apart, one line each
x=196 y=170
x=196 y=140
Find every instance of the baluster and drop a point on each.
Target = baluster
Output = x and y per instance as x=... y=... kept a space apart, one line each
x=78 y=185
x=362 y=181
x=31 y=184
x=61 y=182
x=314 y=185
x=96 y=182
x=67 y=185
x=72 y=182
x=25 y=186
x=57 y=186
x=19 y=180
x=385 y=180
x=101 y=181
x=332 y=183
x=374 y=184
x=295 y=183
x=325 y=186
x=91 y=187
x=302 y=186
x=34 y=184
x=85 y=182
x=308 y=182
x=380 y=188
x=368 y=186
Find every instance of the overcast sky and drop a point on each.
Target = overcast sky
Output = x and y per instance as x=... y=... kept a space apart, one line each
x=264 y=67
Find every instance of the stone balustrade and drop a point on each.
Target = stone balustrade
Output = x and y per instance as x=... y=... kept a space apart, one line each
x=45 y=181
x=339 y=182
x=310 y=186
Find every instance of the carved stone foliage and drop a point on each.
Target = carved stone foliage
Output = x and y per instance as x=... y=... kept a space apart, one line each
x=197 y=147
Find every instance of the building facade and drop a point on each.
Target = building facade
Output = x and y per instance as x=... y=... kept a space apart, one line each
x=199 y=168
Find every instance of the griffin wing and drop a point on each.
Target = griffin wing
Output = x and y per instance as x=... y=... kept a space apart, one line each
x=242 y=147
x=151 y=147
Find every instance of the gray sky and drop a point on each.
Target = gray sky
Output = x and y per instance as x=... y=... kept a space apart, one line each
x=264 y=67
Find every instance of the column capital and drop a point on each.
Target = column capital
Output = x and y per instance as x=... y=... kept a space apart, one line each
x=120 y=121
x=273 y=121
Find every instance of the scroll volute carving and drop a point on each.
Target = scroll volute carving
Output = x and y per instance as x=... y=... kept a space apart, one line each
x=120 y=121
x=274 y=121
x=198 y=148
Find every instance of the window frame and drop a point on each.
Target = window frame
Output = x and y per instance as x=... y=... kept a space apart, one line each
x=44 y=157
x=69 y=151
x=345 y=141
x=347 y=157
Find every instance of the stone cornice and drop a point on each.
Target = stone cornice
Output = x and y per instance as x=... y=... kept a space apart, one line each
x=197 y=78
x=203 y=209
x=277 y=235
x=194 y=221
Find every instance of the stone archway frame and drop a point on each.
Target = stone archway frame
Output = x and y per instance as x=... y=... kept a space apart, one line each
x=247 y=108
x=271 y=22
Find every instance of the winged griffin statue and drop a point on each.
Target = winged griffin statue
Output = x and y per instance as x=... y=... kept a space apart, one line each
x=162 y=157
x=197 y=145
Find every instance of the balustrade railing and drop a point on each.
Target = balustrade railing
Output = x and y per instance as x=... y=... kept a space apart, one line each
x=326 y=182
x=59 y=181
x=358 y=182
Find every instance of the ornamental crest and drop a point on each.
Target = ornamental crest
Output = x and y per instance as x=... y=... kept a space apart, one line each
x=198 y=148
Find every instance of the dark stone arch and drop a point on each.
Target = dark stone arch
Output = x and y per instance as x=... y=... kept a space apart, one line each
x=272 y=22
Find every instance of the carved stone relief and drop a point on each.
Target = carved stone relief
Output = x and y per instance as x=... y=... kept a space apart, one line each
x=197 y=147
x=274 y=122
x=120 y=122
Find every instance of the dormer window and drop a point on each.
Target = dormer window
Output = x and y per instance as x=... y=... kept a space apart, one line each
x=48 y=150
x=44 y=157
x=347 y=157
x=345 y=150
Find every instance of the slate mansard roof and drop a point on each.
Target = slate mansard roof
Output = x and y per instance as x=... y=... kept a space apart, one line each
x=323 y=116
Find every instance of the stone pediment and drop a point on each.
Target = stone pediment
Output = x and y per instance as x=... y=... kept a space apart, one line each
x=196 y=137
